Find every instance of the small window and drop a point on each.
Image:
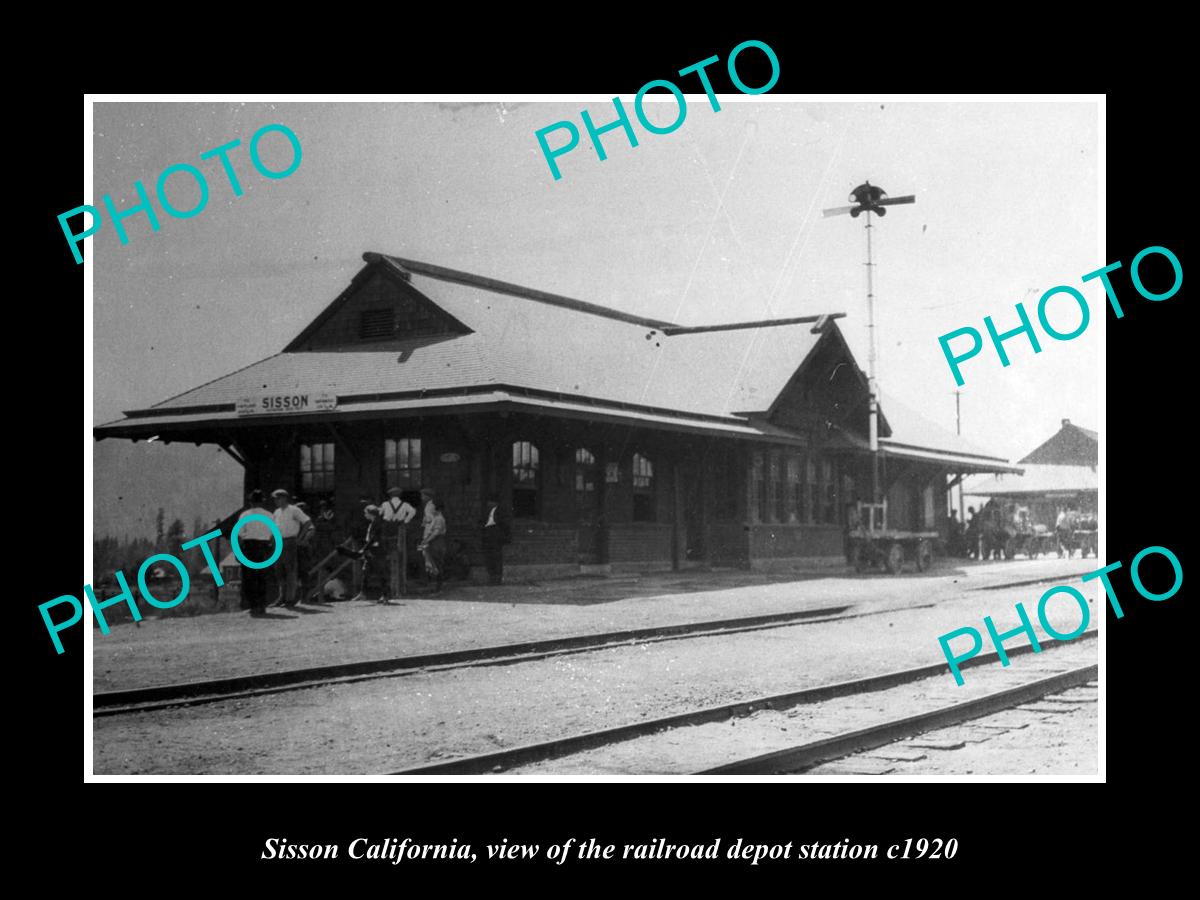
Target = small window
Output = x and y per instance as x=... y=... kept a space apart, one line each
x=402 y=463
x=585 y=473
x=778 y=514
x=828 y=493
x=525 y=479
x=810 y=490
x=643 y=489
x=316 y=469
x=795 y=489
x=758 y=478
x=376 y=324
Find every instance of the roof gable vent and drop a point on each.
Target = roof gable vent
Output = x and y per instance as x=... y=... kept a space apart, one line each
x=377 y=324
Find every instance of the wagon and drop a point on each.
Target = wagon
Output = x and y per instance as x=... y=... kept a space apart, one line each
x=1033 y=542
x=1087 y=540
x=872 y=544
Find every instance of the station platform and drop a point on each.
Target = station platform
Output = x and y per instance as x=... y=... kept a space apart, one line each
x=465 y=615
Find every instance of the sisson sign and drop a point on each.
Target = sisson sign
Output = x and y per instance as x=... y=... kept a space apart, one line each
x=275 y=404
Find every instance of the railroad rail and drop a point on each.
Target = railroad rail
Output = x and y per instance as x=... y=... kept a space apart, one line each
x=528 y=754
x=191 y=693
x=805 y=756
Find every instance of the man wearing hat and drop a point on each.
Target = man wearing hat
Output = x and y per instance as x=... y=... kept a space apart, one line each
x=295 y=525
x=396 y=514
x=370 y=556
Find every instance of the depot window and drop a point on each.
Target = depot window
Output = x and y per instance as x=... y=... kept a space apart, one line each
x=643 y=488
x=316 y=468
x=525 y=479
x=402 y=462
x=795 y=489
x=810 y=490
x=828 y=493
x=585 y=473
x=758 y=483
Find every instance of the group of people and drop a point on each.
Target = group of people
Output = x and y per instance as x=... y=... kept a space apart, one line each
x=383 y=545
x=378 y=549
x=977 y=539
x=257 y=544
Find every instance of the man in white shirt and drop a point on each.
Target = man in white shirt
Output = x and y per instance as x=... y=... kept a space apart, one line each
x=396 y=514
x=257 y=544
x=294 y=525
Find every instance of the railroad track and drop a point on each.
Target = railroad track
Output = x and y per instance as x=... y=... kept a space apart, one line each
x=148 y=699
x=805 y=756
x=159 y=697
x=530 y=754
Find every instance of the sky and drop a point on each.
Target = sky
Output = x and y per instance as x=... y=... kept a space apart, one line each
x=718 y=221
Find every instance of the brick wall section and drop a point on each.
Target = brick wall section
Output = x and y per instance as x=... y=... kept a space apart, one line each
x=728 y=544
x=769 y=541
x=542 y=543
x=640 y=542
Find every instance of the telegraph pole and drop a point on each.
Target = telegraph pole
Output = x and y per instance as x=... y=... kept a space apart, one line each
x=868 y=198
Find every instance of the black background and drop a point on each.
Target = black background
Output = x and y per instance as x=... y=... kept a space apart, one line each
x=1010 y=832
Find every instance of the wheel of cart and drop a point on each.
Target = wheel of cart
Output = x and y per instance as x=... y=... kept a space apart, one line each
x=895 y=557
x=924 y=555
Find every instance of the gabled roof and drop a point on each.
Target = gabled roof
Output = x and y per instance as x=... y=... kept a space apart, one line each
x=1071 y=445
x=507 y=346
x=544 y=346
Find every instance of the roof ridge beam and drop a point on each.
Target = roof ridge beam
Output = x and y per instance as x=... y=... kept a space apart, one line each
x=413 y=267
x=820 y=320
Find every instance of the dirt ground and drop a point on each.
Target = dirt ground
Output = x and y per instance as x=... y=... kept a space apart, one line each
x=170 y=650
x=397 y=722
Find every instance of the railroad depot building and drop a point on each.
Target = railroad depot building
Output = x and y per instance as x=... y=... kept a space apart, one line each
x=616 y=441
x=1059 y=474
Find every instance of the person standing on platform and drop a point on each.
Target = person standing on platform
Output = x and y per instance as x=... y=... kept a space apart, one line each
x=373 y=556
x=496 y=533
x=292 y=523
x=396 y=515
x=357 y=528
x=427 y=501
x=256 y=544
x=433 y=545
x=972 y=535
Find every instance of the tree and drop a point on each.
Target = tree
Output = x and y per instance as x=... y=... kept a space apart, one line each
x=158 y=528
x=175 y=538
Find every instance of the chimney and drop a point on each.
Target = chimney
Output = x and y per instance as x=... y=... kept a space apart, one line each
x=1066 y=422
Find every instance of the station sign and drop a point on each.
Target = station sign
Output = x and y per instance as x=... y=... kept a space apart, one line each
x=282 y=404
